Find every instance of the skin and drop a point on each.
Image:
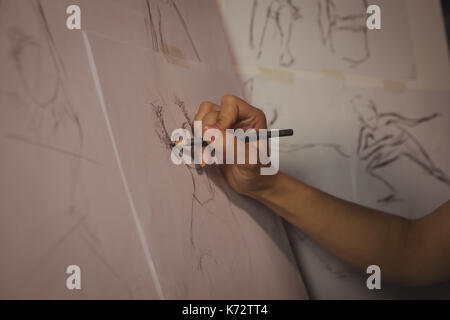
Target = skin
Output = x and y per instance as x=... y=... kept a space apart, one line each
x=409 y=252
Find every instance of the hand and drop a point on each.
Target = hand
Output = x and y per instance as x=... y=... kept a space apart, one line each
x=235 y=113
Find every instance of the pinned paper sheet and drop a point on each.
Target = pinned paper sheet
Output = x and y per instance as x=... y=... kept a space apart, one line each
x=341 y=113
x=401 y=152
x=320 y=35
x=86 y=174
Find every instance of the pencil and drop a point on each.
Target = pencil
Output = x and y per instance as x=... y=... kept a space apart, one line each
x=281 y=133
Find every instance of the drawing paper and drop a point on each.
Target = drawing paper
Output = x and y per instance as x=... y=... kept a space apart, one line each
x=86 y=172
x=62 y=198
x=402 y=165
x=320 y=35
x=319 y=152
x=325 y=113
x=418 y=190
x=85 y=141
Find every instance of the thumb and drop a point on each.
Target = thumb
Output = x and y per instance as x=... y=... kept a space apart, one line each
x=228 y=114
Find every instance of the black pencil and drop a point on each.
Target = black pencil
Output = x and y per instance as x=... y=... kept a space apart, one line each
x=281 y=133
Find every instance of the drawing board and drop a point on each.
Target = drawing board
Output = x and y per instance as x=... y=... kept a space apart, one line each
x=86 y=172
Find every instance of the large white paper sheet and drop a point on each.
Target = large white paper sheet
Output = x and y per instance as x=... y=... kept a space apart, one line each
x=320 y=35
x=86 y=172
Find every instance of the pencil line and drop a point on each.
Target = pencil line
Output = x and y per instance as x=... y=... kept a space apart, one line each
x=137 y=221
x=47 y=146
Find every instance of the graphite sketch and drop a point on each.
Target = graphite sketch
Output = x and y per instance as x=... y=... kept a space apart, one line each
x=158 y=27
x=204 y=192
x=48 y=147
x=249 y=85
x=330 y=20
x=280 y=15
x=384 y=138
x=197 y=174
x=296 y=147
x=41 y=87
x=57 y=107
x=300 y=147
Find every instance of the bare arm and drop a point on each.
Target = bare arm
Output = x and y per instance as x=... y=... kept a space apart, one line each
x=409 y=252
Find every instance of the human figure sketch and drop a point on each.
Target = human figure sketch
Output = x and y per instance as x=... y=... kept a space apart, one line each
x=206 y=201
x=346 y=19
x=197 y=174
x=43 y=119
x=279 y=18
x=46 y=117
x=49 y=103
x=384 y=138
x=203 y=190
x=169 y=31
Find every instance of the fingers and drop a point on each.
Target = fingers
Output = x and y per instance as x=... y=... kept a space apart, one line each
x=210 y=119
x=204 y=109
x=233 y=113
x=232 y=110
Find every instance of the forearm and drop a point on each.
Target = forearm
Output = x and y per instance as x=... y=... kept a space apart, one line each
x=410 y=252
x=357 y=235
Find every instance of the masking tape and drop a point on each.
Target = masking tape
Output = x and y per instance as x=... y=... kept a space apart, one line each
x=394 y=86
x=280 y=76
x=333 y=74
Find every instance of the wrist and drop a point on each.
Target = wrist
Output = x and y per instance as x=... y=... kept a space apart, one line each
x=267 y=187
